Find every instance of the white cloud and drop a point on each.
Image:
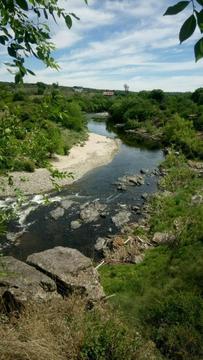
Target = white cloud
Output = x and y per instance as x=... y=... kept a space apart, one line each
x=118 y=41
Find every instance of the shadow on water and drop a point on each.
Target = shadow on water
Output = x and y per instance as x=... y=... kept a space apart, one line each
x=44 y=232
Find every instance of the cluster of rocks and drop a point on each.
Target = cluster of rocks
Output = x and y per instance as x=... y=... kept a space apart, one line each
x=89 y=212
x=117 y=249
x=60 y=210
x=46 y=275
x=128 y=247
x=145 y=135
x=129 y=180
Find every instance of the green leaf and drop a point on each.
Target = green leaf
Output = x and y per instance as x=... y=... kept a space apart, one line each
x=187 y=28
x=11 y=51
x=200 y=20
x=68 y=21
x=3 y=39
x=173 y=10
x=200 y=2
x=30 y=72
x=45 y=14
x=23 y=4
x=199 y=49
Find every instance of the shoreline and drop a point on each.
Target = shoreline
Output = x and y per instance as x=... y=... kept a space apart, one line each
x=97 y=151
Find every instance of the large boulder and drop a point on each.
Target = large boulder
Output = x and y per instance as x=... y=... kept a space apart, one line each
x=72 y=271
x=20 y=283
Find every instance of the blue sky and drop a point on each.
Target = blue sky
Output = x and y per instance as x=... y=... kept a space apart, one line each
x=118 y=42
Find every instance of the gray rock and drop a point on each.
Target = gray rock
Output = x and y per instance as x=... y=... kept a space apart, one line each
x=163 y=238
x=121 y=218
x=135 y=259
x=66 y=204
x=72 y=271
x=121 y=187
x=135 y=180
x=91 y=211
x=100 y=244
x=76 y=224
x=20 y=283
x=144 y=171
x=57 y=213
x=130 y=180
x=197 y=199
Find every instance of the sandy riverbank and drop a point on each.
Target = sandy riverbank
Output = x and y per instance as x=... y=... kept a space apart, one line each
x=97 y=151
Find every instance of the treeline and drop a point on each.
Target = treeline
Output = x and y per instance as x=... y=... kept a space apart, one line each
x=34 y=126
x=171 y=118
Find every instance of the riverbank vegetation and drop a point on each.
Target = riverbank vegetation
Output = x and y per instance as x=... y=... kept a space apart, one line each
x=65 y=330
x=162 y=296
x=164 y=119
x=33 y=127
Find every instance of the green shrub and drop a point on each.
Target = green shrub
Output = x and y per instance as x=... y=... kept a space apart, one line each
x=24 y=165
x=108 y=339
x=19 y=95
x=181 y=133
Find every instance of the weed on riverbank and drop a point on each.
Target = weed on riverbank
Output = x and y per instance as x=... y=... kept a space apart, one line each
x=64 y=329
x=162 y=296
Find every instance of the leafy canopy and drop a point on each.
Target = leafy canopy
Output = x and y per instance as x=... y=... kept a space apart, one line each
x=25 y=32
x=191 y=23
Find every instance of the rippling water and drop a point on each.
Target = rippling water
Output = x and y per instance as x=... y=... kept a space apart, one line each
x=42 y=232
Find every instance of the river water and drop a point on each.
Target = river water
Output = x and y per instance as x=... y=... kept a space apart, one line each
x=41 y=231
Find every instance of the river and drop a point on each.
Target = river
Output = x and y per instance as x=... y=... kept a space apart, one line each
x=41 y=231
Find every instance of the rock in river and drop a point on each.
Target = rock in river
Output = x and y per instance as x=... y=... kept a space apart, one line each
x=121 y=218
x=20 y=283
x=91 y=211
x=76 y=224
x=57 y=213
x=72 y=271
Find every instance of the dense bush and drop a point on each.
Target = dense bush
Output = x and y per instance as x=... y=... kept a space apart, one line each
x=181 y=133
x=31 y=131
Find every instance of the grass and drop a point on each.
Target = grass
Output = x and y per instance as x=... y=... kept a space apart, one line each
x=71 y=138
x=65 y=330
x=162 y=296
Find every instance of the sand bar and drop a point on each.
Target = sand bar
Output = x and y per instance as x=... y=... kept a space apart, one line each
x=97 y=151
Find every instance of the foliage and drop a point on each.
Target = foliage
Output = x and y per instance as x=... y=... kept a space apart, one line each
x=197 y=96
x=25 y=31
x=41 y=87
x=169 y=118
x=190 y=24
x=30 y=132
x=162 y=296
x=181 y=132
